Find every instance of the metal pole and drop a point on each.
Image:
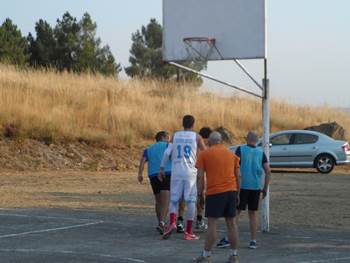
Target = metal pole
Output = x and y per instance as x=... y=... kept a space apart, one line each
x=265 y=210
x=214 y=79
x=247 y=73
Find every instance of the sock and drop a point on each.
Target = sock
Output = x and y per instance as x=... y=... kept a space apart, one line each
x=233 y=252
x=172 y=218
x=199 y=218
x=180 y=218
x=206 y=253
x=189 y=226
x=161 y=223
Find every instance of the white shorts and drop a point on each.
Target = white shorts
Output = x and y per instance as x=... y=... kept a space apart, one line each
x=185 y=188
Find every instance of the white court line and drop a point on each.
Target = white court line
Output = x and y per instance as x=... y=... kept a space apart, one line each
x=73 y=253
x=50 y=229
x=47 y=217
x=325 y=260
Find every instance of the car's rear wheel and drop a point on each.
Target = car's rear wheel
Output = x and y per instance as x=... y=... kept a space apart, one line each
x=324 y=163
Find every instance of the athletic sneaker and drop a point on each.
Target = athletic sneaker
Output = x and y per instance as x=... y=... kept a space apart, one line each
x=223 y=243
x=160 y=228
x=202 y=259
x=190 y=236
x=180 y=226
x=169 y=230
x=201 y=225
x=252 y=244
x=233 y=259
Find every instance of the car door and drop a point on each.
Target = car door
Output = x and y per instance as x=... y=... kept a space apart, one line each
x=303 y=149
x=279 y=155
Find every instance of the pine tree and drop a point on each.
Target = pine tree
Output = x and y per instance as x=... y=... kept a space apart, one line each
x=146 y=57
x=13 y=46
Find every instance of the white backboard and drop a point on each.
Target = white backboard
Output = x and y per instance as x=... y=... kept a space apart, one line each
x=238 y=27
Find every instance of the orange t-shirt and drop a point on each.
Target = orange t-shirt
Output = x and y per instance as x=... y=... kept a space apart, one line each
x=220 y=166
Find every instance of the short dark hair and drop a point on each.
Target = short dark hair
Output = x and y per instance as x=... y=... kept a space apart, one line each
x=188 y=121
x=160 y=135
x=205 y=132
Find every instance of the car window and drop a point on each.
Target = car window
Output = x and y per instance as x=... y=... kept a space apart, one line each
x=303 y=138
x=282 y=139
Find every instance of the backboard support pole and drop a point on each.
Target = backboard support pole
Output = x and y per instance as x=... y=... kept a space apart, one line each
x=214 y=79
x=265 y=209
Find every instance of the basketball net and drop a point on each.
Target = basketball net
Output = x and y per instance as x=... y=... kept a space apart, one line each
x=199 y=49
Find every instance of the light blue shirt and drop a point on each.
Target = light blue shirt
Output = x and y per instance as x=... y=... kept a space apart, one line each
x=154 y=155
x=251 y=168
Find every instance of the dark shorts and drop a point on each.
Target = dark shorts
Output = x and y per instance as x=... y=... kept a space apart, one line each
x=158 y=186
x=249 y=198
x=221 y=205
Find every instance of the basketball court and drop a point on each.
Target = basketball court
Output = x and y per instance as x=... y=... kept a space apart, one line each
x=62 y=235
x=108 y=217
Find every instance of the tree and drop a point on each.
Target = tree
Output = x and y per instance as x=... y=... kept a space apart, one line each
x=43 y=48
x=66 y=34
x=71 y=45
x=13 y=46
x=146 y=56
x=90 y=55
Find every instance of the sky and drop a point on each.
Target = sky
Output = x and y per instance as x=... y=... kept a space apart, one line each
x=308 y=42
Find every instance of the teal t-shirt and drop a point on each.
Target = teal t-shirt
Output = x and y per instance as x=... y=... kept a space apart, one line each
x=252 y=159
x=154 y=155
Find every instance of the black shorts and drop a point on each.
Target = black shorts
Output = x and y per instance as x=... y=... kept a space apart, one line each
x=221 y=205
x=158 y=186
x=250 y=198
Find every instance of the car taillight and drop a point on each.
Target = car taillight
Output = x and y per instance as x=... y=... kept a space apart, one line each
x=346 y=147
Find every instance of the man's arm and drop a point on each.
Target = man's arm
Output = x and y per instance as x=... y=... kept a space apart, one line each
x=200 y=143
x=143 y=160
x=238 y=182
x=200 y=180
x=165 y=159
x=267 y=178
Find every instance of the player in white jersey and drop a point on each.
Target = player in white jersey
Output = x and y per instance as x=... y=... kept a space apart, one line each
x=183 y=152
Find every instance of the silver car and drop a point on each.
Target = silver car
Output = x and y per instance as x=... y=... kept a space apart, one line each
x=306 y=149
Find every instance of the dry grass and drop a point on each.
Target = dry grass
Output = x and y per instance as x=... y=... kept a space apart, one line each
x=62 y=106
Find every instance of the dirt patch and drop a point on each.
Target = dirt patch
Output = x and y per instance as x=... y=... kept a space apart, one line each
x=32 y=155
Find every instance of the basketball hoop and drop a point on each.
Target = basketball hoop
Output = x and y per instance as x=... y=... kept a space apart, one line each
x=199 y=49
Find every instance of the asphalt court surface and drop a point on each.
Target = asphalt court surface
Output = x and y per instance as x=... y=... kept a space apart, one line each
x=63 y=235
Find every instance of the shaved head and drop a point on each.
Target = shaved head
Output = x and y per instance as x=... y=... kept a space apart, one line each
x=252 y=137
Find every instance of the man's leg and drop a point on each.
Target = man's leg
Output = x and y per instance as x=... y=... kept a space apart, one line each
x=253 y=206
x=191 y=210
x=211 y=234
x=214 y=209
x=158 y=206
x=161 y=210
x=176 y=191
x=237 y=216
x=181 y=214
x=165 y=197
x=200 y=224
x=164 y=204
x=253 y=224
x=232 y=232
x=190 y=196
x=156 y=188
x=210 y=238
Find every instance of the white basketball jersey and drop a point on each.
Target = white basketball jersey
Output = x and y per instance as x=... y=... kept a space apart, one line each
x=184 y=155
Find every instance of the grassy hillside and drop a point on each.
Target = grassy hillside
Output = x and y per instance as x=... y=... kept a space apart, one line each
x=51 y=106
